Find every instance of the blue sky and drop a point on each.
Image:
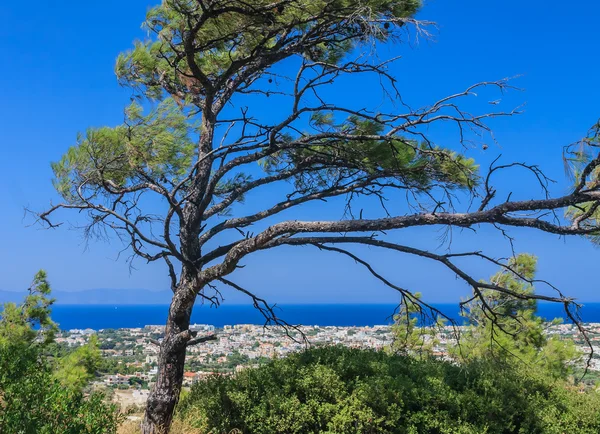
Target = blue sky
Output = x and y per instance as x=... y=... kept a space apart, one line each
x=57 y=79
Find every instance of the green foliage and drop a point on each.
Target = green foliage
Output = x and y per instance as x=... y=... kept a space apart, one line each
x=78 y=367
x=29 y=323
x=577 y=158
x=505 y=305
x=110 y=365
x=238 y=40
x=234 y=34
x=156 y=146
x=32 y=399
x=416 y=165
x=512 y=332
x=341 y=390
x=408 y=337
x=138 y=381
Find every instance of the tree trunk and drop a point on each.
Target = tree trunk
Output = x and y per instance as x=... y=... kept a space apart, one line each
x=165 y=393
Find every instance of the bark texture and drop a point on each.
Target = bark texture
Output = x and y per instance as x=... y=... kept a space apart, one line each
x=165 y=393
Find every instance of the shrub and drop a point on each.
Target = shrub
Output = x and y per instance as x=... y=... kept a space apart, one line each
x=341 y=390
x=33 y=400
x=34 y=397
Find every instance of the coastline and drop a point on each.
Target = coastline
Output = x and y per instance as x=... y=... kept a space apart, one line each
x=97 y=317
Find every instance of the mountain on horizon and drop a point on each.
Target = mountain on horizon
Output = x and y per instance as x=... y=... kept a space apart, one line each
x=98 y=296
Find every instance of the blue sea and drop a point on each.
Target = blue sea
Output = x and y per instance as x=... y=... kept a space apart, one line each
x=127 y=316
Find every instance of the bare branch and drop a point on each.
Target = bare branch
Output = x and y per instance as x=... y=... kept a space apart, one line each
x=202 y=339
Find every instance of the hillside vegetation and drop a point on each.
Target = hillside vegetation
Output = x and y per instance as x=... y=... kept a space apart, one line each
x=39 y=392
x=517 y=381
x=341 y=390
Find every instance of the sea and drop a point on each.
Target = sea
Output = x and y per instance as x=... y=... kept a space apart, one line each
x=99 y=317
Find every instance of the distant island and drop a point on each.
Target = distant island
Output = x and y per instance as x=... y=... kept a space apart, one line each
x=119 y=297
x=99 y=296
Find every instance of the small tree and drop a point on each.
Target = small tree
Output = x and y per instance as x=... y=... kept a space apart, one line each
x=410 y=337
x=505 y=327
x=29 y=324
x=195 y=139
x=33 y=400
x=77 y=368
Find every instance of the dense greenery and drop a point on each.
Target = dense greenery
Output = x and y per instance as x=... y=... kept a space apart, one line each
x=410 y=337
x=506 y=329
x=41 y=394
x=341 y=390
x=507 y=377
x=159 y=146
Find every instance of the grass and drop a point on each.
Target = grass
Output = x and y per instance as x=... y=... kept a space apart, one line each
x=179 y=427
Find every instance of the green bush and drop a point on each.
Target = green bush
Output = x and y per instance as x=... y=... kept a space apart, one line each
x=340 y=390
x=33 y=398
x=34 y=401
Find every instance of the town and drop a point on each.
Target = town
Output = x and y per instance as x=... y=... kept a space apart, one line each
x=130 y=355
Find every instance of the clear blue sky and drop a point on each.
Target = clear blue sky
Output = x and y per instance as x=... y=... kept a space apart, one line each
x=57 y=79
